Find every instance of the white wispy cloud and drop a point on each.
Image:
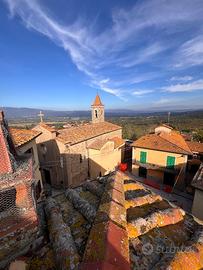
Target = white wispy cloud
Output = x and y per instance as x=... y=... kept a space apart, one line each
x=190 y=53
x=163 y=101
x=104 y=85
x=183 y=78
x=143 y=55
x=187 y=87
x=117 y=47
x=142 y=92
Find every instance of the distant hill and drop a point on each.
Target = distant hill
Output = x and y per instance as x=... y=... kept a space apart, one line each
x=20 y=113
x=12 y=112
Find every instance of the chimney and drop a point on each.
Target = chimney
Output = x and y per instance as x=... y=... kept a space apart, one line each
x=7 y=150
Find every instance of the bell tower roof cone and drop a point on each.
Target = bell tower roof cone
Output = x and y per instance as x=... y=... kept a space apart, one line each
x=97 y=101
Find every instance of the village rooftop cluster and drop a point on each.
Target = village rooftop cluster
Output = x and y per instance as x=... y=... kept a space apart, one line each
x=84 y=197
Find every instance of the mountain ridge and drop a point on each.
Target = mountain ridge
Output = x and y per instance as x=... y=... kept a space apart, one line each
x=23 y=112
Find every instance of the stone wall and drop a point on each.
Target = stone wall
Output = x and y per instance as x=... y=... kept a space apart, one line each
x=76 y=158
x=67 y=165
x=49 y=153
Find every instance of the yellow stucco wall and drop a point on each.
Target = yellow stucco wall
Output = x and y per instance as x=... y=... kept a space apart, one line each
x=104 y=160
x=159 y=158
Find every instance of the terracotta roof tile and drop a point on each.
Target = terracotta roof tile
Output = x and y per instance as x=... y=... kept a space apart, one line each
x=81 y=133
x=97 y=144
x=47 y=127
x=101 y=232
x=97 y=101
x=176 y=139
x=22 y=136
x=169 y=142
x=117 y=142
x=195 y=146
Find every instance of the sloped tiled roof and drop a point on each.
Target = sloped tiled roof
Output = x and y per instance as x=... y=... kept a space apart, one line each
x=117 y=142
x=81 y=133
x=22 y=136
x=169 y=142
x=98 y=144
x=176 y=139
x=195 y=147
x=118 y=223
x=47 y=127
x=97 y=101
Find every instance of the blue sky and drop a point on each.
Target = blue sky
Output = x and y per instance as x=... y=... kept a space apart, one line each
x=139 y=55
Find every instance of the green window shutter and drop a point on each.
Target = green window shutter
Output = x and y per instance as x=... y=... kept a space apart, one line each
x=170 y=162
x=143 y=157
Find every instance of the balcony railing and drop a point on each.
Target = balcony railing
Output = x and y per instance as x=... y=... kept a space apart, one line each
x=152 y=166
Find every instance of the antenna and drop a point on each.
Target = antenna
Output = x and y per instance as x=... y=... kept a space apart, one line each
x=169 y=114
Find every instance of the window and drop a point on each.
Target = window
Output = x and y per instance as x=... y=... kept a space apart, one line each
x=143 y=157
x=44 y=148
x=96 y=114
x=170 y=163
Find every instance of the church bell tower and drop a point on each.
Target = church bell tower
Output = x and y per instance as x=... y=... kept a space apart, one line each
x=97 y=110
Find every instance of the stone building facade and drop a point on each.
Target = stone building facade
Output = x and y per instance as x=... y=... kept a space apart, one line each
x=65 y=155
x=18 y=216
x=25 y=144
